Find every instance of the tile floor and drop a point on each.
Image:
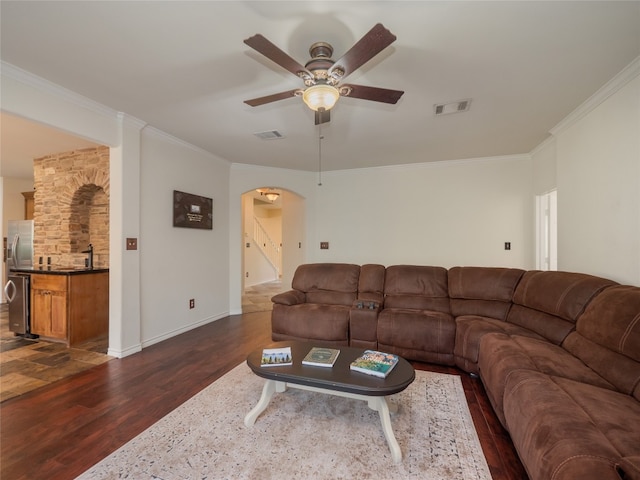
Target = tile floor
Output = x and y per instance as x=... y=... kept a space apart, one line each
x=257 y=298
x=29 y=364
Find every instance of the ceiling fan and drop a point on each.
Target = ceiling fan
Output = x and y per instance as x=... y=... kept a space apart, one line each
x=322 y=76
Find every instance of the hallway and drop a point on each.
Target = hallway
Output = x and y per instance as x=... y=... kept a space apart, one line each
x=257 y=298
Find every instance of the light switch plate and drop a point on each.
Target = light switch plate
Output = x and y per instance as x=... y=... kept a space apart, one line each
x=324 y=245
x=132 y=243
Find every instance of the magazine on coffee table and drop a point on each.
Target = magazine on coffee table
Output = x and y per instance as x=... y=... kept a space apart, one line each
x=321 y=357
x=275 y=357
x=375 y=363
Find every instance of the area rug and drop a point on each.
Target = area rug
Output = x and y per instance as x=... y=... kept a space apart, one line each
x=304 y=435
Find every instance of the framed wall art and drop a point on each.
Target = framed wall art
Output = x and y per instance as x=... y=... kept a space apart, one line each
x=192 y=211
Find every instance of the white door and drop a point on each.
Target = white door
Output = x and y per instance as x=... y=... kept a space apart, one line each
x=547 y=231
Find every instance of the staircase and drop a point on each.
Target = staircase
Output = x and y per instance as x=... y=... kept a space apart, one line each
x=271 y=251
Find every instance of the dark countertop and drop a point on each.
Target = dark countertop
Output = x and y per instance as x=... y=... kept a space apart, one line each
x=55 y=270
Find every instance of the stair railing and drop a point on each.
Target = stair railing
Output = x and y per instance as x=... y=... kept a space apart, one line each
x=271 y=251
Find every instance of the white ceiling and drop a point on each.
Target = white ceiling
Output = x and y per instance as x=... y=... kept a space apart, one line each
x=182 y=67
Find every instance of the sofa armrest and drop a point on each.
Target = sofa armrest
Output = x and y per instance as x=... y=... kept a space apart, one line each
x=292 y=297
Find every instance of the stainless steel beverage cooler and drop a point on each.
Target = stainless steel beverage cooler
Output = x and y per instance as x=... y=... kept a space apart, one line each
x=17 y=291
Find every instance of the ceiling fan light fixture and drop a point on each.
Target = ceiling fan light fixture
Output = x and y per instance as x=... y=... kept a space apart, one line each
x=321 y=96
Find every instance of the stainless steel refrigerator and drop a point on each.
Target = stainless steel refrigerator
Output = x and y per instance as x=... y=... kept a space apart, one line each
x=17 y=289
x=20 y=244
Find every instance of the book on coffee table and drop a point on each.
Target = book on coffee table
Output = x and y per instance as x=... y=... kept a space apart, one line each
x=275 y=357
x=321 y=357
x=375 y=363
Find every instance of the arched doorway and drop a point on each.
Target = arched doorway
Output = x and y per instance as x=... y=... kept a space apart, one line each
x=272 y=242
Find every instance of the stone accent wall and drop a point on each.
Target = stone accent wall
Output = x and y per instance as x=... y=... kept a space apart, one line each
x=71 y=207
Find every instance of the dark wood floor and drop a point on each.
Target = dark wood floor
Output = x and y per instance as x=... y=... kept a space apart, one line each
x=60 y=430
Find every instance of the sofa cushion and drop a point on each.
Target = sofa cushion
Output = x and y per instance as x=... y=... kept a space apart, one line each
x=564 y=430
x=607 y=337
x=421 y=335
x=482 y=291
x=416 y=287
x=470 y=329
x=550 y=302
x=311 y=322
x=371 y=283
x=327 y=283
x=501 y=355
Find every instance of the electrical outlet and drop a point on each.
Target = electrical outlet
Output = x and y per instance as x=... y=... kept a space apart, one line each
x=192 y=303
x=507 y=245
x=324 y=245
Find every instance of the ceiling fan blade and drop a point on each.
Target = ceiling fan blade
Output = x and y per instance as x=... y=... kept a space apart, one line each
x=273 y=53
x=374 y=94
x=322 y=116
x=376 y=40
x=255 y=102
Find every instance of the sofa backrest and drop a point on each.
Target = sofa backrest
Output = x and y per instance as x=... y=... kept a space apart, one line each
x=607 y=337
x=416 y=287
x=327 y=283
x=371 y=283
x=549 y=303
x=483 y=291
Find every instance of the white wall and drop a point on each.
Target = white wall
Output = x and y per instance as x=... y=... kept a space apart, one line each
x=179 y=264
x=598 y=161
x=13 y=200
x=444 y=213
x=544 y=167
x=295 y=225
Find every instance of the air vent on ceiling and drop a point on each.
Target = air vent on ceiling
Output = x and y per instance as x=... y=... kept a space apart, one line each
x=452 y=107
x=269 y=135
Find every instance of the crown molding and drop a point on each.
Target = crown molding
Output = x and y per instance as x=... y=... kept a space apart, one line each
x=630 y=72
x=542 y=145
x=39 y=83
x=130 y=121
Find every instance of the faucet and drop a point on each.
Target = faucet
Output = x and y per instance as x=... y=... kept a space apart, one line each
x=89 y=261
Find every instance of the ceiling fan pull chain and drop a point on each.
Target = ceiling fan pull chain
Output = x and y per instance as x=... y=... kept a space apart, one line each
x=320 y=138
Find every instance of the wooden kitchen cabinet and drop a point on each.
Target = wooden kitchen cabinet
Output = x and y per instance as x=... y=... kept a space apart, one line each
x=28 y=205
x=49 y=306
x=70 y=307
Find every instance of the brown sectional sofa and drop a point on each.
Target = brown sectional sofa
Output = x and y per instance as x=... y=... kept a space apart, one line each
x=557 y=352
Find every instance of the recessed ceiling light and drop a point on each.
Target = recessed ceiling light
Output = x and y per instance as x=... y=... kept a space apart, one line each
x=452 y=107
